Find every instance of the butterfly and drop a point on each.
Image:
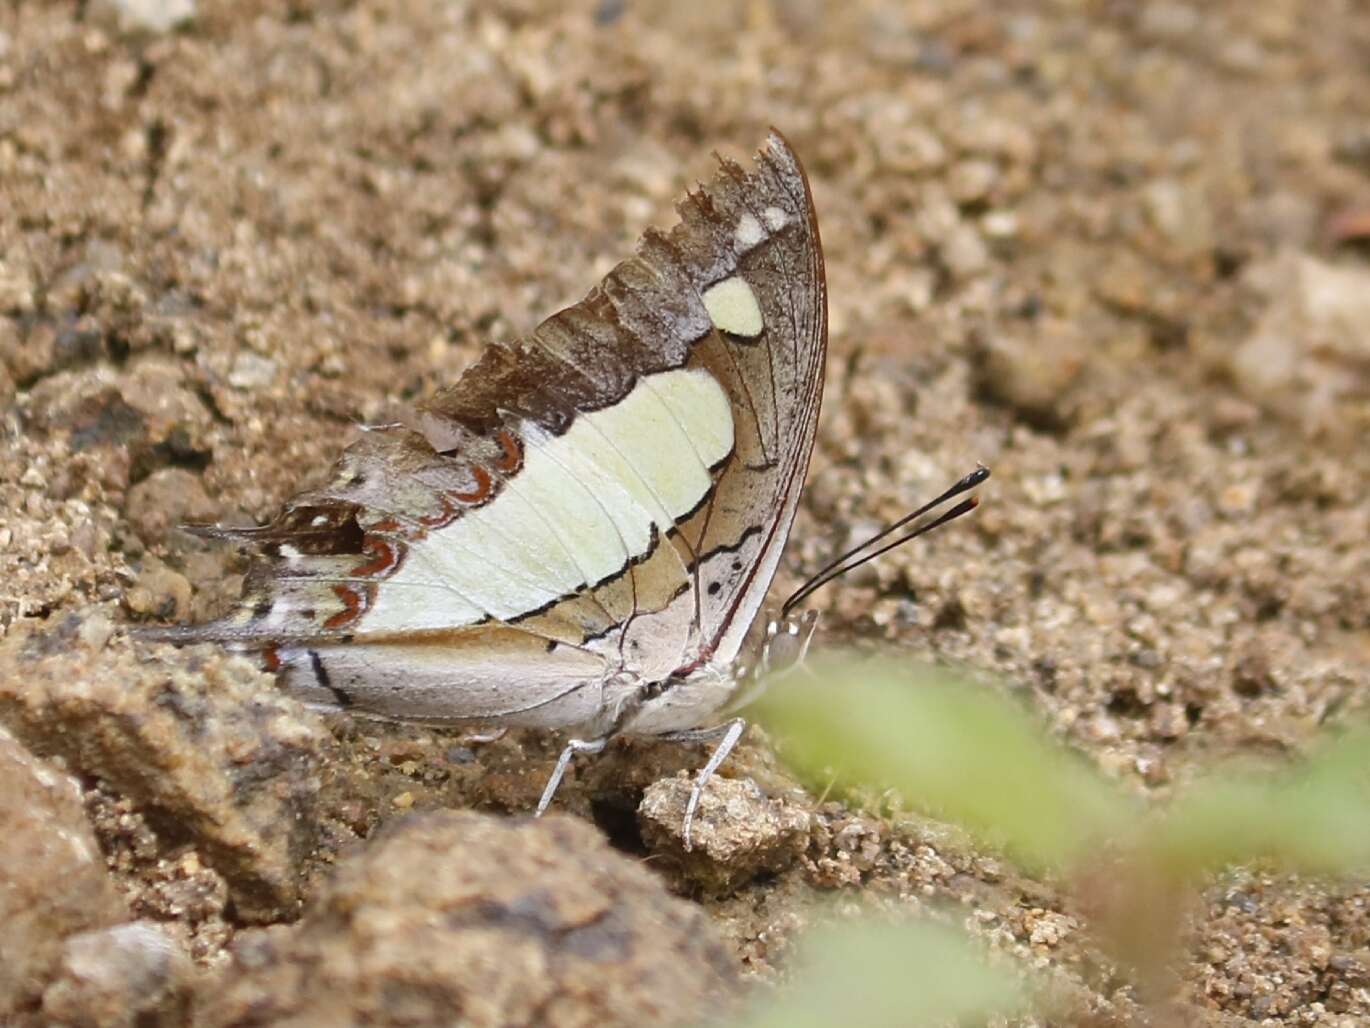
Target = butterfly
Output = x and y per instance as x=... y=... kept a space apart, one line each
x=580 y=532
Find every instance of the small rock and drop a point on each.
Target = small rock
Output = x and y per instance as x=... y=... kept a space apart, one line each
x=52 y=876
x=1283 y=218
x=130 y=976
x=964 y=252
x=146 y=410
x=1179 y=213
x=95 y=631
x=999 y=224
x=27 y=351
x=1239 y=500
x=165 y=499
x=152 y=16
x=16 y=288
x=988 y=135
x=1168 y=22
x=1168 y=721
x=972 y=181
x=159 y=592
x=177 y=419
x=737 y=833
x=250 y=371
x=1035 y=377
x=909 y=149
x=215 y=750
x=1306 y=355
x=460 y=917
x=1244 y=55
x=98 y=417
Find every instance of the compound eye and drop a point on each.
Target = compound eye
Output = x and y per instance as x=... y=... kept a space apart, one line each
x=785 y=647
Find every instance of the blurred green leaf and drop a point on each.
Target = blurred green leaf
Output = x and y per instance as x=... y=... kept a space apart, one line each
x=1313 y=818
x=965 y=754
x=955 y=749
x=877 y=974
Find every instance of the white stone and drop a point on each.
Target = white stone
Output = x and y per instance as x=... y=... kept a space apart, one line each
x=155 y=16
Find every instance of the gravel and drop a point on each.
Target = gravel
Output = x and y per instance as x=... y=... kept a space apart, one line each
x=1082 y=243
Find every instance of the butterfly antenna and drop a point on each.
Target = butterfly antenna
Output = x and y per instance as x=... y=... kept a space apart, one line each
x=862 y=553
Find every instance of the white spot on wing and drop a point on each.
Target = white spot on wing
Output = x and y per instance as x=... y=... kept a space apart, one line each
x=749 y=233
x=776 y=219
x=733 y=308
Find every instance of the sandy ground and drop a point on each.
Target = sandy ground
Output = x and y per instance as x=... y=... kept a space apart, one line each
x=1114 y=251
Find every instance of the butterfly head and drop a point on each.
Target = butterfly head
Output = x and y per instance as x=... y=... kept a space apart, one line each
x=786 y=641
x=781 y=648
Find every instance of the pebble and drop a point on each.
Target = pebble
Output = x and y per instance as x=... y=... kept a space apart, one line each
x=737 y=834
x=16 y=286
x=251 y=371
x=1035 y=374
x=215 y=750
x=971 y=181
x=1175 y=23
x=151 y=16
x=999 y=224
x=909 y=149
x=132 y=975
x=167 y=499
x=1179 y=212
x=490 y=921
x=964 y=252
x=53 y=875
x=159 y=593
x=1300 y=357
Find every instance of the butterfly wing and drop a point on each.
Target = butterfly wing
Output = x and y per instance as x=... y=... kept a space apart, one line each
x=602 y=501
x=769 y=350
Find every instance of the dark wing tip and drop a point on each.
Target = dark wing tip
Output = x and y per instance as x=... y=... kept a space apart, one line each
x=775 y=140
x=777 y=150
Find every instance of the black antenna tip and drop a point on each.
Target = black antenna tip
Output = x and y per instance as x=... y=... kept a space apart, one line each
x=977 y=476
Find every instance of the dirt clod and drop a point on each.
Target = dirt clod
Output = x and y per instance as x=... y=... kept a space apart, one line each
x=132 y=975
x=54 y=880
x=737 y=834
x=1114 y=251
x=490 y=922
x=202 y=741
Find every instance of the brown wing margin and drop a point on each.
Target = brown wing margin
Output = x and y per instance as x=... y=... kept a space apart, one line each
x=787 y=274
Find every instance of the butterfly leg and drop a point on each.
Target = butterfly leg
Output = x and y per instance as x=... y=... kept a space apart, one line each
x=480 y=738
x=726 y=735
x=563 y=762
